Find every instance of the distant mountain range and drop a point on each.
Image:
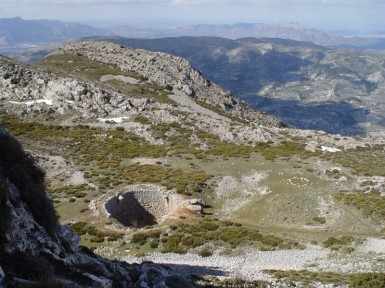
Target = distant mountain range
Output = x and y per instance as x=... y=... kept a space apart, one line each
x=15 y=32
x=19 y=33
x=306 y=85
x=292 y=31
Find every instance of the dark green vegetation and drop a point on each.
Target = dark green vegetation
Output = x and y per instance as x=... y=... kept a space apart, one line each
x=107 y=158
x=81 y=66
x=20 y=167
x=230 y=283
x=364 y=160
x=366 y=280
x=339 y=243
x=371 y=203
x=98 y=235
x=183 y=237
x=100 y=153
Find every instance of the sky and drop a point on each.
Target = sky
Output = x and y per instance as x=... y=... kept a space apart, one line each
x=353 y=15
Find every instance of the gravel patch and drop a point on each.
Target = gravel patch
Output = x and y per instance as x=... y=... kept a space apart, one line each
x=125 y=79
x=237 y=191
x=247 y=266
x=77 y=178
x=373 y=245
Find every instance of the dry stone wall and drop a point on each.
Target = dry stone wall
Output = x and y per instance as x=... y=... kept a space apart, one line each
x=138 y=208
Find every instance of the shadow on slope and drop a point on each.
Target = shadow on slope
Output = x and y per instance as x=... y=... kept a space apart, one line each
x=186 y=270
x=331 y=117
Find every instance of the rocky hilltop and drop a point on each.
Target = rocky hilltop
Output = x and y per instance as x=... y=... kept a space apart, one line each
x=168 y=71
x=173 y=85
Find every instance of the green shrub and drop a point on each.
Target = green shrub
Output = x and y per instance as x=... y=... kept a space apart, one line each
x=188 y=236
x=79 y=227
x=319 y=219
x=337 y=243
x=99 y=235
x=308 y=277
x=367 y=280
x=372 y=203
x=271 y=240
x=171 y=245
x=141 y=237
x=154 y=243
x=209 y=226
x=205 y=253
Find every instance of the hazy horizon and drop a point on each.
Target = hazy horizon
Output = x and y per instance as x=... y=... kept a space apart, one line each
x=361 y=16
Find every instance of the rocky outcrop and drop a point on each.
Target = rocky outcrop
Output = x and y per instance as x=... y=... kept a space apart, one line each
x=39 y=91
x=168 y=71
x=34 y=251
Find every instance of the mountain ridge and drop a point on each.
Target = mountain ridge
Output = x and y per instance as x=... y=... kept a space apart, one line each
x=19 y=33
x=307 y=85
x=292 y=31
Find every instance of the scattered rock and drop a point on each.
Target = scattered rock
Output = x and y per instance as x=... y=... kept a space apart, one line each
x=194 y=205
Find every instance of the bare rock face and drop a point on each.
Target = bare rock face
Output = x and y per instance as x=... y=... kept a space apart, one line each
x=40 y=91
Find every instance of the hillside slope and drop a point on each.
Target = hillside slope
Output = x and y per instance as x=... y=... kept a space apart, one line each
x=148 y=161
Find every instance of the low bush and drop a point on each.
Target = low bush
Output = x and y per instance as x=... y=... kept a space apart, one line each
x=372 y=203
x=319 y=219
x=367 y=280
x=205 y=253
x=183 y=237
x=141 y=237
x=307 y=277
x=99 y=235
x=336 y=243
